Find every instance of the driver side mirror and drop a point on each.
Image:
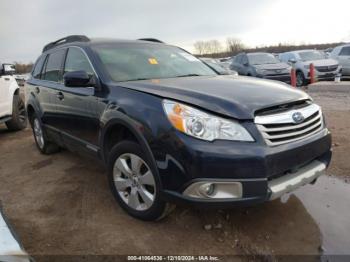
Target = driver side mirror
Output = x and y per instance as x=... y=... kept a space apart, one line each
x=246 y=63
x=292 y=61
x=78 y=79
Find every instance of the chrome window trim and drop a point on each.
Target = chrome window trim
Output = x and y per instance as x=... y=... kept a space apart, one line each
x=87 y=57
x=67 y=47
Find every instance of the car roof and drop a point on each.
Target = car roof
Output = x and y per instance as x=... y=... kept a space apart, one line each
x=99 y=41
x=259 y=53
x=302 y=50
x=344 y=45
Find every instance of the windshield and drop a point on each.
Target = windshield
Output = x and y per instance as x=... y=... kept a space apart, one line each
x=128 y=62
x=259 y=59
x=311 y=55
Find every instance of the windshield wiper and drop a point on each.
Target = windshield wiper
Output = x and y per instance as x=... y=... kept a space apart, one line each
x=188 y=75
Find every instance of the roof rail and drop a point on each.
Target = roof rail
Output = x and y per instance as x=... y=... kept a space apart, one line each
x=64 y=40
x=151 y=40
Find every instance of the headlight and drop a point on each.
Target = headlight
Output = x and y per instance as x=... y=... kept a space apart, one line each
x=204 y=126
x=307 y=66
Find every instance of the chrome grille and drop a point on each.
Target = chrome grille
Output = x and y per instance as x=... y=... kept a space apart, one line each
x=326 y=68
x=281 y=128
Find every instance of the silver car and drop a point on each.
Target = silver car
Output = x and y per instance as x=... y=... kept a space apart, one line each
x=342 y=55
x=325 y=68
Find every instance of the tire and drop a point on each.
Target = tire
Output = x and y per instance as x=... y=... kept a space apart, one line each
x=19 y=117
x=134 y=182
x=301 y=81
x=45 y=146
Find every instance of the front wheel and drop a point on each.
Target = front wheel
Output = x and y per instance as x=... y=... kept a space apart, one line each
x=301 y=81
x=19 y=117
x=134 y=183
x=43 y=144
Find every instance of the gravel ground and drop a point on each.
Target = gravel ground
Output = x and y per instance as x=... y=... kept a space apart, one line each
x=61 y=205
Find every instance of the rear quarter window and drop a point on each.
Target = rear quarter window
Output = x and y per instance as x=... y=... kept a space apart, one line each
x=38 y=67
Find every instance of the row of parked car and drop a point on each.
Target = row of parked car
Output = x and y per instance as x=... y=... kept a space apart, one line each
x=278 y=66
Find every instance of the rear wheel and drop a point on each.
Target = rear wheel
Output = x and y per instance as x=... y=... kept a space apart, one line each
x=43 y=144
x=134 y=182
x=19 y=117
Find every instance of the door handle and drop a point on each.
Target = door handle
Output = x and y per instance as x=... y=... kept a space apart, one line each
x=60 y=96
x=7 y=79
x=37 y=90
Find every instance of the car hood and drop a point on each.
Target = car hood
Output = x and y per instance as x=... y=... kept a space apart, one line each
x=272 y=66
x=233 y=96
x=322 y=62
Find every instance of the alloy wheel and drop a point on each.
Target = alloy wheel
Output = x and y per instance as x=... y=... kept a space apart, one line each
x=134 y=181
x=21 y=112
x=300 y=79
x=38 y=132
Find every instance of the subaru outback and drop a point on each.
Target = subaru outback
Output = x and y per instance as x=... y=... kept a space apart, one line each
x=169 y=129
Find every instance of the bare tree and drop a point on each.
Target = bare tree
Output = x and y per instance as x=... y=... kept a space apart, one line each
x=200 y=47
x=208 y=47
x=234 y=45
x=214 y=46
x=23 y=68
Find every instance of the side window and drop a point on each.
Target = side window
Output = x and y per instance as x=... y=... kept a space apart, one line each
x=38 y=67
x=77 y=61
x=238 y=59
x=345 y=51
x=53 y=66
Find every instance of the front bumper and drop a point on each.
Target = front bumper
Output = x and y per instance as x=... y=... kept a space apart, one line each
x=291 y=182
x=283 y=78
x=278 y=77
x=264 y=172
x=325 y=75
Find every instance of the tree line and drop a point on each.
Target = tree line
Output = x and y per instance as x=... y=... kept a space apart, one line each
x=23 y=68
x=233 y=46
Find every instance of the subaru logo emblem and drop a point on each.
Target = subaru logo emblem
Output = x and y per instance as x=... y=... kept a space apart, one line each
x=297 y=117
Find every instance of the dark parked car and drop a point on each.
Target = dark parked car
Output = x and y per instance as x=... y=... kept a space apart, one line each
x=263 y=65
x=171 y=130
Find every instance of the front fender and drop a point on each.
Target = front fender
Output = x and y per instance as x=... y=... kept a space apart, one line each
x=32 y=102
x=13 y=88
x=115 y=116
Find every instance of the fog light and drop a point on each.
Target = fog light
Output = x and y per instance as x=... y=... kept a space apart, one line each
x=211 y=190
x=207 y=189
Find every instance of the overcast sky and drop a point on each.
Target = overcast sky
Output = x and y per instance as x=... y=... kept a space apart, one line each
x=27 y=25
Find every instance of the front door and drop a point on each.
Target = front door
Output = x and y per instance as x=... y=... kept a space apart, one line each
x=76 y=107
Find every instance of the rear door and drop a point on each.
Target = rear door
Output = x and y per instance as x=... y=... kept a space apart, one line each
x=47 y=89
x=236 y=64
x=76 y=106
x=245 y=65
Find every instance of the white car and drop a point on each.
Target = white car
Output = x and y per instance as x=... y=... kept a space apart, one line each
x=325 y=68
x=342 y=55
x=226 y=62
x=12 y=110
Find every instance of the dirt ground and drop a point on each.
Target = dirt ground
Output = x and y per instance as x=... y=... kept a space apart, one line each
x=61 y=205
